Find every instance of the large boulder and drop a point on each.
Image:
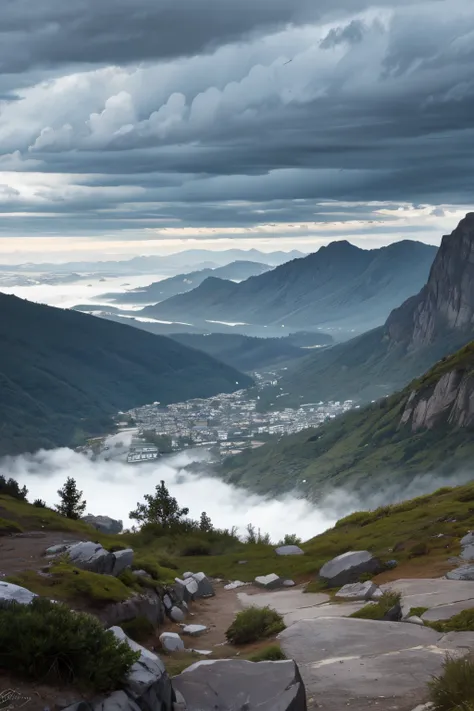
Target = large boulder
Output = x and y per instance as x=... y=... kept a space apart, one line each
x=148 y=605
x=228 y=684
x=357 y=591
x=147 y=683
x=467 y=547
x=123 y=560
x=205 y=588
x=185 y=590
x=176 y=614
x=348 y=567
x=15 y=593
x=465 y=572
x=171 y=642
x=289 y=550
x=105 y=524
x=91 y=556
x=269 y=582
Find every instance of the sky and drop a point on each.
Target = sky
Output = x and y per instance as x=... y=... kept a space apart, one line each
x=151 y=126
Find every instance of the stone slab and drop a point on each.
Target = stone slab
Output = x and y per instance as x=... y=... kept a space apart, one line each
x=445 y=612
x=431 y=592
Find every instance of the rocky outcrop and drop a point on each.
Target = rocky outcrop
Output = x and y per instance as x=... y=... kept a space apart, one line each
x=348 y=567
x=15 y=593
x=105 y=524
x=237 y=684
x=148 y=605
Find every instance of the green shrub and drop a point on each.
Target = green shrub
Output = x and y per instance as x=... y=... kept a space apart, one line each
x=453 y=690
x=462 y=622
x=417 y=611
x=378 y=610
x=48 y=642
x=272 y=653
x=39 y=503
x=254 y=624
x=7 y=527
x=418 y=550
x=153 y=568
x=193 y=547
x=140 y=629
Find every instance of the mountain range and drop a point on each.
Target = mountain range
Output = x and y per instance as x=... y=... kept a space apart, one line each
x=426 y=429
x=63 y=373
x=426 y=327
x=341 y=287
x=181 y=283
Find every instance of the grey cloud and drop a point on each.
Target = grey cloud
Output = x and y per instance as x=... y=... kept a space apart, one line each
x=352 y=33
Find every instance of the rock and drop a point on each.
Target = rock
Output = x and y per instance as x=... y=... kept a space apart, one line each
x=289 y=550
x=424 y=707
x=467 y=545
x=104 y=523
x=465 y=572
x=91 y=556
x=357 y=591
x=227 y=684
x=288 y=583
x=187 y=575
x=195 y=630
x=147 y=605
x=394 y=614
x=123 y=560
x=204 y=588
x=204 y=652
x=176 y=614
x=268 y=581
x=242 y=562
x=391 y=564
x=57 y=550
x=414 y=620
x=236 y=584
x=142 y=573
x=116 y=701
x=167 y=602
x=171 y=641
x=147 y=683
x=181 y=591
x=15 y=593
x=180 y=703
x=445 y=612
x=348 y=567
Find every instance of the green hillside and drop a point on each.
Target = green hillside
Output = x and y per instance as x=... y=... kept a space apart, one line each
x=63 y=373
x=365 y=448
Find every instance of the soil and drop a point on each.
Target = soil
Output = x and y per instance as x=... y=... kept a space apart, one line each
x=25 y=551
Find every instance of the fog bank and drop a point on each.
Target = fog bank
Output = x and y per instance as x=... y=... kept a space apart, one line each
x=113 y=488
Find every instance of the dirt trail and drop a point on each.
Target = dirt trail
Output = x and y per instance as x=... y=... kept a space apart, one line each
x=25 y=551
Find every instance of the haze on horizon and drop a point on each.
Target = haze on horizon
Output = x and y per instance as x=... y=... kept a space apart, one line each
x=145 y=127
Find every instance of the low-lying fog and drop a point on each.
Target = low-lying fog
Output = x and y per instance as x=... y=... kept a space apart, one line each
x=113 y=488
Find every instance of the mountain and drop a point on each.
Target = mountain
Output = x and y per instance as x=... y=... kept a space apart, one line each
x=161 y=264
x=161 y=290
x=435 y=322
x=339 y=287
x=426 y=429
x=63 y=373
x=246 y=353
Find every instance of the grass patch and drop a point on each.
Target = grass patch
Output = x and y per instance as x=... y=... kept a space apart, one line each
x=48 y=642
x=254 y=624
x=417 y=611
x=462 y=622
x=140 y=629
x=64 y=582
x=272 y=653
x=7 y=527
x=453 y=690
x=150 y=565
x=378 y=610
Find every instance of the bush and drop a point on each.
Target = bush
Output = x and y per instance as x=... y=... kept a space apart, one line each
x=453 y=690
x=48 y=642
x=7 y=527
x=254 y=624
x=378 y=610
x=272 y=653
x=39 y=503
x=193 y=547
x=290 y=539
x=418 y=550
x=153 y=568
x=462 y=622
x=140 y=629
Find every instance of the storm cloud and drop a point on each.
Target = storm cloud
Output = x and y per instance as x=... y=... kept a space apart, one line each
x=170 y=119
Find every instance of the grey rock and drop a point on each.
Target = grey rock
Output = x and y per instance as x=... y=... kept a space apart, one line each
x=415 y=620
x=465 y=572
x=234 y=585
x=181 y=591
x=192 y=587
x=91 y=556
x=205 y=588
x=142 y=573
x=57 y=550
x=180 y=703
x=468 y=540
x=147 y=605
x=147 y=683
x=123 y=560
x=176 y=614
x=357 y=591
x=195 y=630
x=391 y=564
x=171 y=641
x=117 y=701
x=394 y=614
x=235 y=684
x=348 y=567
x=445 y=612
x=288 y=583
x=467 y=545
x=105 y=524
x=289 y=550
x=187 y=575
x=15 y=593
x=242 y=562
x=167 y=602
x=268 y=581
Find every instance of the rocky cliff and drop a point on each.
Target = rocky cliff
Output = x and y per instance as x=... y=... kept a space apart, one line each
x=446 y=302
x=445 y=396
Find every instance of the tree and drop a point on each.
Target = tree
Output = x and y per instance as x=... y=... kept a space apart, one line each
x=205 y=524
x=160 y=507
x=290 y=539
x=11 y=487
x=72 y=505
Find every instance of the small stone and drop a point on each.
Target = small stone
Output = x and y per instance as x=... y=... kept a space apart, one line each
x=357 y=591
x=167 y=602
x=204 y=652
x=141 y=573
x=56 y=550
x=289 y=550
x=195 y=630
x=176 y=614
x=171 y=641
x=268 y=581
x=289 y=583
x=242 y=562
x=234 y=585
x=415 y=620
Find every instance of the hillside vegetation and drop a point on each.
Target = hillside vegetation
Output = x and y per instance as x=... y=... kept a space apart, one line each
x=368 y=447
x=63 y=373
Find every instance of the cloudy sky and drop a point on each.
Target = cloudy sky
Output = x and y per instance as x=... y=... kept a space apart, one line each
x=145 y=126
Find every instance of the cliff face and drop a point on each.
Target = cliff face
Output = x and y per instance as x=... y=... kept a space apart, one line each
x=446 y=302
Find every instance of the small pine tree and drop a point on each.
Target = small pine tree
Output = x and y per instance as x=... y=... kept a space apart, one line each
x=72 y=505
x=160 y=508
x=205 y=524
x=39 y=503
x=251 y=534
